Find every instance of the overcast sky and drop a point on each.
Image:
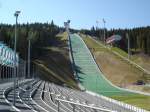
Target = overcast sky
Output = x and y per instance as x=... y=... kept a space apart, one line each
x=82 y=13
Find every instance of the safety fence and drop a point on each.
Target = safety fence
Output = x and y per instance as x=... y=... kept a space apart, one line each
x=10 y=64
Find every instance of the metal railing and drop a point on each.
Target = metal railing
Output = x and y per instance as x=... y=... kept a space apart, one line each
x=7 y=72
x=119 y=103
x=74 y=104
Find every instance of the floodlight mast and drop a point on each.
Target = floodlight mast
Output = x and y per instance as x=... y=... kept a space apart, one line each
x=16 y=14
x=104 y=29
x=29 y=62
x=97 y=25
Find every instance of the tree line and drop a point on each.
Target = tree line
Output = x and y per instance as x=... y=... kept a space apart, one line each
x=139 y=38
x=43 y=34
x=40 y=34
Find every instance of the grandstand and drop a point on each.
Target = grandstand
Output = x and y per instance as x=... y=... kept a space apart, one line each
x=44 y=96
x=36 y=95
x=8 y=61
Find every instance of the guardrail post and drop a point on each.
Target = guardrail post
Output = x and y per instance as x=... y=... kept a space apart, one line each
x=73 y=107
x=58 y=104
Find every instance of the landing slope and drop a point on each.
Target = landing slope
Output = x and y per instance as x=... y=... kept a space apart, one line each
x=88 y=72
x=118 y=72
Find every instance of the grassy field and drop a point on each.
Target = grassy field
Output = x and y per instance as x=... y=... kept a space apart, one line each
x=114 y=68
x=137 y=100
x=139 y=58
x=118 y=50
x=118 y=72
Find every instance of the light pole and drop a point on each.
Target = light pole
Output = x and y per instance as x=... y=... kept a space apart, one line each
x=29 y=45
x=104 y=30
x=15 y=65
x=97 y=24
x=24 y=71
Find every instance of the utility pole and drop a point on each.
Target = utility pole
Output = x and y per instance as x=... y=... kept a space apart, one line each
x=15 y=64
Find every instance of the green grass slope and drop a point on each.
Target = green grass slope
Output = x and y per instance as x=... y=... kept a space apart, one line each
x=118 y=72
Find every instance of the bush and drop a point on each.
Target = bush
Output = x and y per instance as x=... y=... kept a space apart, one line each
x=140 y=82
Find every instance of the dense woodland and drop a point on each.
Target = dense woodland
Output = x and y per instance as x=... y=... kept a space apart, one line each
x=40 y=34
x=139 y=38
x=43 y=34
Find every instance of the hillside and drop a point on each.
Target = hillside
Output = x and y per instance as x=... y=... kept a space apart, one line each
x=49 y=51
x=122 y=72
x=114 y=68
x=54 y=64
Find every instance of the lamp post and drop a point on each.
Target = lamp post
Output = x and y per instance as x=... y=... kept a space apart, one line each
x=104 y=30
x=29 y=45
x=24 y=71
x=15 y=65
